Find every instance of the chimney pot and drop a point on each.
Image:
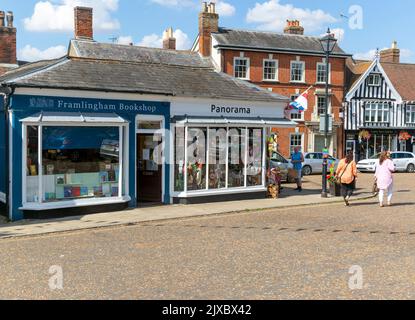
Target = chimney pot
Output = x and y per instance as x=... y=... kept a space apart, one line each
x=294 y=27
x=84 y=23
x=208 y=23
x=169 y=41
x=392 y=55
x=2 y=16
x=10 y=19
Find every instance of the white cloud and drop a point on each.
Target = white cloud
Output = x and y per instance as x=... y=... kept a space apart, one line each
x=156 y=41
x=174 y=3
x=125 y=40
x=52 y=16
x=273 y=16
x=29 y=53
x=225 y=9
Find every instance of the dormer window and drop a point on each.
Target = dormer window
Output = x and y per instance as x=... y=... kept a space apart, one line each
x=374 y=80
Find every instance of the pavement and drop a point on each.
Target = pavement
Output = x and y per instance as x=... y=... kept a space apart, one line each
x=325 y=251
x=289 y=198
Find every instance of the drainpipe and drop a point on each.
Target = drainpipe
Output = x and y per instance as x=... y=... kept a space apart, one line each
x=8 y=92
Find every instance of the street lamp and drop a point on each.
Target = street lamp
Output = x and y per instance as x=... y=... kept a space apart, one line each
x=328 y=43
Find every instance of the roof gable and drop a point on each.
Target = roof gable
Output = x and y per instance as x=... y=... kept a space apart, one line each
x=361 y=90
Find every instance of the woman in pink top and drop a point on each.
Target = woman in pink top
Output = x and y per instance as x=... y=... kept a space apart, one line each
x=384 y=178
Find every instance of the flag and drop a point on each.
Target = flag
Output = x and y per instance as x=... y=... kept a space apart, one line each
x=301 y=103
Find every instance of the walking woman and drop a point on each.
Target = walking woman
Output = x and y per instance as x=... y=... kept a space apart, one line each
x=346 y=174
x=384 y=177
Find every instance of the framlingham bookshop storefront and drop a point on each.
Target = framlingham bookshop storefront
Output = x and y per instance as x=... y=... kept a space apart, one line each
x=70 y=152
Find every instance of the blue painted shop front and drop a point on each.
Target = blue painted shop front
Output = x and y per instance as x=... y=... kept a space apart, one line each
x=81 y=151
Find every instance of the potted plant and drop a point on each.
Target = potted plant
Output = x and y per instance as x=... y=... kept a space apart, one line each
x=335 y=189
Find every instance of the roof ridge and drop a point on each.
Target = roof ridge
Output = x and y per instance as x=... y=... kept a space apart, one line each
x=266 y=31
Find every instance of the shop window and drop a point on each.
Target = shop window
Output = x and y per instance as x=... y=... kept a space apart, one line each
x=236 y=157
x=196 y=159
x=149 y=125
x=179 y=164
x=255 y=157
x=32 y=168
x=217 y=158
x=77 y=163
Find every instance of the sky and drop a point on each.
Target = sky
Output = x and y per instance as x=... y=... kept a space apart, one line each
x=45 y=27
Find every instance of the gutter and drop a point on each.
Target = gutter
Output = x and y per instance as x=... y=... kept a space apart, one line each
x=8 y=92
x=281 y=50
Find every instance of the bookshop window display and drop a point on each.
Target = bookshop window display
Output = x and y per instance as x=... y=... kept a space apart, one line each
x=218 y=158
x=68 y=163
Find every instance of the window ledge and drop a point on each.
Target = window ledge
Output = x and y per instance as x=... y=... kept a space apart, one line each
x=74 y=203
x=298 y=82
x=201 y=193
x=270 y=81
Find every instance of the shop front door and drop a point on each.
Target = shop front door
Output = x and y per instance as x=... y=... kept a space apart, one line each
x=149 y=169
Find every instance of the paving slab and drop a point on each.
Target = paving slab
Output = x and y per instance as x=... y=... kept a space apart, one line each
x=289 y=198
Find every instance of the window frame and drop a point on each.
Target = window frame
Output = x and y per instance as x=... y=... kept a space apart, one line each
x=276 y=78
x=303 y=71
x=123 y=184
x=384 y=108
x=374 y=76
x=410 y=114
x=292 y=146
x=248 y=68
x=319 y=64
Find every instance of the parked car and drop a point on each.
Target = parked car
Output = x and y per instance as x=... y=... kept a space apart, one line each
x=285 y=165
x=403 y=161
x=313 y=163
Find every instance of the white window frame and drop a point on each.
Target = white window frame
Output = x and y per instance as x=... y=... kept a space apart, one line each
x=319 y=64
x=372 y=83
x=410 y=114
x=291 y=71
x=275 y=79
x=293 y=97
x=316 y=114
x=248 y=68
x=226 y=190
x=382 y=107
x=41 y=204
x=291 y=146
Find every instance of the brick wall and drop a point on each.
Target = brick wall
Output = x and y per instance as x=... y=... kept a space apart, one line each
x=286 y=88
x=84 y=23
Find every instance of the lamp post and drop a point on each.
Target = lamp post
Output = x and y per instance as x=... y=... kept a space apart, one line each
x=328 y=43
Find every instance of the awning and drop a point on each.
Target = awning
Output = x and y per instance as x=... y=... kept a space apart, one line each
x=75 y=117
x=257 y=121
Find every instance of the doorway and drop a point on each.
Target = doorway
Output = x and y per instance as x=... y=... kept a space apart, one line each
x=149 y=168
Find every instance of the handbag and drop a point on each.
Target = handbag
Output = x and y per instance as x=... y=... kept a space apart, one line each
x=375 y=188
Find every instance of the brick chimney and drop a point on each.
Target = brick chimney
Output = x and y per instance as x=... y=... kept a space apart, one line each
x=83 y=23
x=392 y=55
x=7 y=39
x=169 y=41
x=294 y=27
x=208 y=23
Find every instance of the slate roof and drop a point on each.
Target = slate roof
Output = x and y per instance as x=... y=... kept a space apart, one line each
x=271 y=41
x=117 y=68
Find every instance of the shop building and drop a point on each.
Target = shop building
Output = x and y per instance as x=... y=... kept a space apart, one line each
x=286 y=63
x=380 y=105
x=113 y=126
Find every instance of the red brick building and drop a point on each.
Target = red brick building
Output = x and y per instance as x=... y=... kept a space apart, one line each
x=288 y=64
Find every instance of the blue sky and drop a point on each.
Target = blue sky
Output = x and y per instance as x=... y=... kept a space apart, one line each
x=45 y=27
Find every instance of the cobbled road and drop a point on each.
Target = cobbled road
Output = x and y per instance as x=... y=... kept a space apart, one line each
x=302 y=253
